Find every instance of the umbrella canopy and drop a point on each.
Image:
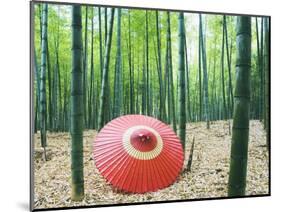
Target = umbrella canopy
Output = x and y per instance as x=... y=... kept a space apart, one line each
x=138 y=154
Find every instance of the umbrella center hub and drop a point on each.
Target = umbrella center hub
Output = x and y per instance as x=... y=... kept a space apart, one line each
x=143 y=140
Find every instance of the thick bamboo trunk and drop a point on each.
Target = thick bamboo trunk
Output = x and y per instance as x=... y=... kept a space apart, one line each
x=76 y=116
x=240 y=130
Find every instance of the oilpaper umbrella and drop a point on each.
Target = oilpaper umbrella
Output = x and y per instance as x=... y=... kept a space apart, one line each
x=138 y=154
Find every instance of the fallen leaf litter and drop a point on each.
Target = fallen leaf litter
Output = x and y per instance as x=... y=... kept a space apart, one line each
x=207 y=179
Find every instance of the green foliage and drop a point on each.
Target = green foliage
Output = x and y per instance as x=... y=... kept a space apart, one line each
x=153 y=67
x=59 y=17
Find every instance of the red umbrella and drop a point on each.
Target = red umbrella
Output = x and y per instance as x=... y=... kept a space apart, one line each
x=137 y=153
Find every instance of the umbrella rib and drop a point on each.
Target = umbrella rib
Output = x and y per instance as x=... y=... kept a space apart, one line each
x=172 y=157
x=100 y=152
x=136 y=167
x=154 y=183
x=133 y=180
x=145 y=175
x=168 y=171
x=122 y=171
x=127 y=173
x=105 y=144
x=141 y=177
x=118 y=158
x=131 y=171
x=150 y=183
x=163 y=176
x=109 y=158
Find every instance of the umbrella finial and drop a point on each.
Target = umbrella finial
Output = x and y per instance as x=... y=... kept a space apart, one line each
x=144 y=137
x=140 y=135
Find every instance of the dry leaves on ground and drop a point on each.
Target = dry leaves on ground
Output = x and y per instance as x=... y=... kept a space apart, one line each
x=208 y=176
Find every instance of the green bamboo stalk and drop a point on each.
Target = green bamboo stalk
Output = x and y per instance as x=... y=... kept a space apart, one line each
x=76 y=116
x=50 y=113
x=138 y=85
x=200 y=73
x=229 y=68
x=167 y=84
x=56 y=84
x=205 y=75
x=214 y=88
x=100 y=43
x=181 y=74
x=48 y=70
x=60 y=101
x=161 y=97
x=259 y=70
x=222 y=74
x=43 y=114
x=262 y=87
x=188 y=94
x=117 y=81
x=65 y=104
x=37 y=93
x=59 y=75
x=240 y=130
x=105 y=71
x=85 y=67
x=143 y=85
x=148 y=106
x=107 y=104
x=91 y=99
x=266 y=77
x=130 y=67
x=54 y=99
x=105 y=24
x=170 y=74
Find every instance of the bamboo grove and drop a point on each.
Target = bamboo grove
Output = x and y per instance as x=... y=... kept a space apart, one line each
x=93 y=64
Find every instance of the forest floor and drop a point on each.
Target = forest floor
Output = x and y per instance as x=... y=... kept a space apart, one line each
x=207 y=179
